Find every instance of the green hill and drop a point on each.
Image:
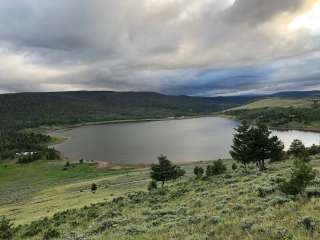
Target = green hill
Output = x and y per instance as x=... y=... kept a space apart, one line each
x=272 y=102
x=280 y=112
x=28 y=110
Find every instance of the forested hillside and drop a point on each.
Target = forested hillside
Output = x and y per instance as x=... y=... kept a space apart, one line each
x=26 y=110
x=283 y=113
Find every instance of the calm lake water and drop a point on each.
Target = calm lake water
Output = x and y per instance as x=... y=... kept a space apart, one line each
x=181 y=140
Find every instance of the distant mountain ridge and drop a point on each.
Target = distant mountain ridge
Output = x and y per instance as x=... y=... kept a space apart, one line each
x=24 y=110
x=299 y=94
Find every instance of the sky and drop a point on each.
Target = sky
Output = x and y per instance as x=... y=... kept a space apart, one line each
x=180 y=47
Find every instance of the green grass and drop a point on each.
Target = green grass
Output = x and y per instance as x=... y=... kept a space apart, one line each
x=277 y=102
x=41 y=188
x=222 y=207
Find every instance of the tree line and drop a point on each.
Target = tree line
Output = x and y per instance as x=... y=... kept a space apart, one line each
x=25 y=147
x=277 y=116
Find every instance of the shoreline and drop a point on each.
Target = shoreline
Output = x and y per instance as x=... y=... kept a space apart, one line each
x=302 y=129
x=284 y=128
x=88 y=124
x=63 y=128
x=54 y=132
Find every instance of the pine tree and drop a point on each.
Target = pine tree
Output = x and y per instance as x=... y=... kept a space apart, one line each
x=254 y=145
x=277 y=147
x=164 y=171
x=240 y=150
x=260 y=145
x=297 y=148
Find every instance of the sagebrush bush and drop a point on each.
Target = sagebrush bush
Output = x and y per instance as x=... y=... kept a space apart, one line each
x=6 y=228
x=234 y=166
x=94 y=187
x=152 y=185
x=307 y=222
x=51 y=233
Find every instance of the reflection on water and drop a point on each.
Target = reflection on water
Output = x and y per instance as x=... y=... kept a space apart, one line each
x=183 y=140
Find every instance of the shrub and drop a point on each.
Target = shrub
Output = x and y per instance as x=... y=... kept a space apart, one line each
x=178 y=172
x=279 y=200
x=35 y=228
x=51 y=234
x=313 y=150
x=198 y=171
x=301 y=176
x=234 y=166
x=52 y=154
x=215 y=220
x=94 y=187
x=217 y=168
x=246 y=224
x=308 y=223
x=132 y=231
x=264 y=191
x=152 y=185
x=6 y=228
x=313 y=192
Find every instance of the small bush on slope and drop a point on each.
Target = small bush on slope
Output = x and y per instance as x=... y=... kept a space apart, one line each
x=301 y=176
x=217 y=168
x=6 y=228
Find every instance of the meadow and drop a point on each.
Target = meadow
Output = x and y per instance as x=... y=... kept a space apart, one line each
x=277 y=102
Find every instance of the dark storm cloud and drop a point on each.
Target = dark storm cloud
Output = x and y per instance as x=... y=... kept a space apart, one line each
x=257 y=11
x=173 y=46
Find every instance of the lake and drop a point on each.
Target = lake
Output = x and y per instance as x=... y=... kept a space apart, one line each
x=185 y=140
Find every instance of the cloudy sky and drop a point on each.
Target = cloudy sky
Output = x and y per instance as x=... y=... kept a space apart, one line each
x=194 y=47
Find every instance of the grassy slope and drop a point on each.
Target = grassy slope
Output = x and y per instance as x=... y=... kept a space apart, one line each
x=277 y=102
x=223 y=207
x=29 y=192
x=268 y=105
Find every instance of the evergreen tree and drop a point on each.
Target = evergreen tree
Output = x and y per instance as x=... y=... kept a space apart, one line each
x=254 y=145
x=178 y=172
x=164 y=171
x=260 y=145
x=240 y=150
x=297 y=148
x=277 y=149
